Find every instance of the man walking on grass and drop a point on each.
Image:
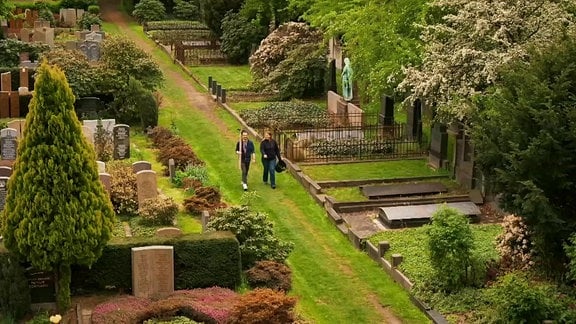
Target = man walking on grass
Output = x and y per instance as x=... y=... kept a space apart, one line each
x=246 y=154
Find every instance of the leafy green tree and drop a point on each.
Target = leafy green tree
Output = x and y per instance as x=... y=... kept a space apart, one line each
x=149 y=10
x=14 y=291
x=450 y=245
x=525 y=137
x=268 y=14
x=187 y=10
x=121 y=55
x=464 y=50
x=57 y=212
x=301 y=74
x=6 y=8
x=213 y=11
x=10 y=50
x=239 y=37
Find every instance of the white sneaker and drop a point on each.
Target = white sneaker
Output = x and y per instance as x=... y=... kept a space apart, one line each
x=244 y=186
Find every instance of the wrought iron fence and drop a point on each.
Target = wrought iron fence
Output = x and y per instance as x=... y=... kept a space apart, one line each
x=349 y=142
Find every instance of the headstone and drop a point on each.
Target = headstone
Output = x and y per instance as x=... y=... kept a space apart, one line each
x=4 y=104
x=71 y=45
x=91 y=49
x=93 y=37
x=205 y=218
x=414 y=120
x=8 y=144
x=18 y=125
x=438 y=155
x=5 y=171
x=107 y=124
x=146 y=185
x=88 y=134
x=24 y=81
x=106 y=180
x=387 y=110
x=332 y=98
x=101 y=166
x=168 y=232
x=42 y=286
x=26 y=35
x=95 y=27
x=14 y=104
x=6 y=79
x=141 y=165
x=3 y=191
x=152 y=271
x=121 y=139
x=171 y=169
x=69 y=17
x=87 y=109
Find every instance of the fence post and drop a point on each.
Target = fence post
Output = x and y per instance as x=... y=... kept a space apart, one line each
x=209 y=82
x=214 y=85
x=223 y=97
x=219 y=91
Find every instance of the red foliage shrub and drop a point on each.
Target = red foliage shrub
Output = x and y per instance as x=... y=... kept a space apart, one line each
x=270 y=274
x=263 y=306
x=159 y=135
x=205 y=198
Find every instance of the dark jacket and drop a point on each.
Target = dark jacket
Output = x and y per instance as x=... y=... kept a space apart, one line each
x=271 y=149
x=246 y=155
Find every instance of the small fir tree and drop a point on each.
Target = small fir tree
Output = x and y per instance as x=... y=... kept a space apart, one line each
x=57 y=212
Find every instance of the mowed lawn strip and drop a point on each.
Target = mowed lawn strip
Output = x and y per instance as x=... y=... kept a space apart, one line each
x=334 y=282
x=231 y=77
x=371 y=170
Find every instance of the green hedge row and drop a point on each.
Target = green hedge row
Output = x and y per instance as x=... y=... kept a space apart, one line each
x=200 y=260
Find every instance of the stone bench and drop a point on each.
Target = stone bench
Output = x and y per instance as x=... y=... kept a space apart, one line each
x=404 y=189
x=418 y=215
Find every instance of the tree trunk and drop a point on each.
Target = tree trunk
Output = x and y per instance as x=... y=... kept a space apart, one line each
x=63 y=277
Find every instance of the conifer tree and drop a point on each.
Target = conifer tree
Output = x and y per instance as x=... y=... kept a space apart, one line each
x=57 y=212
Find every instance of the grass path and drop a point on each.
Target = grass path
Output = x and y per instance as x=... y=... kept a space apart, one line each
x=334 y=282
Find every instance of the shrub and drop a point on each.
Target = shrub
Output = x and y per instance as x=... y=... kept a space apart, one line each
x=276 y=46
x=136 y=105
x=186 y=10
x=78 y=4
x=149 y=10
x=119 y=310
x=270 y=274
x=287 y=115
x=263 y=306
x=514 y=299
x=103 y=145
x=254 y=232
x=123 y=188
x=89 y=19
x=239 y=37
x=514 y=244
x=14 y=291
x=161 y=210
x=300 y=75
x=351 y=147
x=205 y=198
x=159 y=135
x=183 y=179
x=94 y=9
x=182 y=154
x=450 y=244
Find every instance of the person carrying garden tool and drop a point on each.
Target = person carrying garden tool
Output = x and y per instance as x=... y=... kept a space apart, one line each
x=246 y=154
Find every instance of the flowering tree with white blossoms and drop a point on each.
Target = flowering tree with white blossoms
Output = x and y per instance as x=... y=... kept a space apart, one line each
x=463 y=52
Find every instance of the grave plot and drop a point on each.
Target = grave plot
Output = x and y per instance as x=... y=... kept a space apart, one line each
x=403 y=189
x=417 y=215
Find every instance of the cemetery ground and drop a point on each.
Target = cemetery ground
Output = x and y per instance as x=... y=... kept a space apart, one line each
x=325 y=267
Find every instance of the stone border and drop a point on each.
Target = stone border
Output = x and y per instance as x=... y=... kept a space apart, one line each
x=315 y=189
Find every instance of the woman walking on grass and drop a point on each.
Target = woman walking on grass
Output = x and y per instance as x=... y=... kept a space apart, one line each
x=270 y=152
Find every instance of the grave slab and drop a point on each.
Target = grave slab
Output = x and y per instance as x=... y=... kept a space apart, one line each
x=417 y=215
x=404 y=189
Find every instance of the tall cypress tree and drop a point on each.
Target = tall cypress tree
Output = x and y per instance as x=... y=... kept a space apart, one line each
x=57 y=212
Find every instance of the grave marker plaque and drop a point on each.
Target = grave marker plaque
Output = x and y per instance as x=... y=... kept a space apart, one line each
x=42 y=286
x=153 y=271
x=3 y=191
x=8 y=144
x=121 y=135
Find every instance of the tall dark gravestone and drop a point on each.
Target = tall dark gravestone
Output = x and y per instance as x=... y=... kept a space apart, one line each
x=438 y=155
x=414 y=120
x=42 y=287
x=386 y=110
x=121 y=138
x=332 y=84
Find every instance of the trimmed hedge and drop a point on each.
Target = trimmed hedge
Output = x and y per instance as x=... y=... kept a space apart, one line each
x=200 y=260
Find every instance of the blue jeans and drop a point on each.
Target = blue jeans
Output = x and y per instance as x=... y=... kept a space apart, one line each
x=269 y=169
